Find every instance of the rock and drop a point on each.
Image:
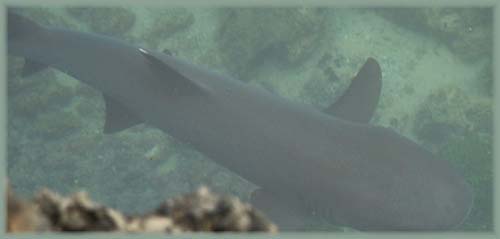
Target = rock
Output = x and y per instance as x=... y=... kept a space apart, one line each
x=199 y=211
x=206 y=211
x=23 y=216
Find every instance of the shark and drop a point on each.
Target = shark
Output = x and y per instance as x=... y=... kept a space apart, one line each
x=329 y=163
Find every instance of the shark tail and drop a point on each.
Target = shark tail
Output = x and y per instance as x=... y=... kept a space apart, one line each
x=19 y=27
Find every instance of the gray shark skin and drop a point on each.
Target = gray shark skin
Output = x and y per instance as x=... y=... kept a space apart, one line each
x=331 y=164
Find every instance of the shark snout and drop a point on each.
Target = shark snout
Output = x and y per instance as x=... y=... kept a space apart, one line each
x=469 y=202
x=455 y=202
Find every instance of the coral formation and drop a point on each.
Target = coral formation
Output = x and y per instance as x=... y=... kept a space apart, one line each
x=198 y=211
x=205 y=211
x=23 y=216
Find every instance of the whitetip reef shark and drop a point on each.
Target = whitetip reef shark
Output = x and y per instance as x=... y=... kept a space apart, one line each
x=329 y=163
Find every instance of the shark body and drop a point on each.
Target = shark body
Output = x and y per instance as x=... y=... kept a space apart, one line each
x=329 y=163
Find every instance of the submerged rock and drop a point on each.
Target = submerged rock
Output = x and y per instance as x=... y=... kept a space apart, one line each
x=199 y=211
x=23 y=216
x=206 y=211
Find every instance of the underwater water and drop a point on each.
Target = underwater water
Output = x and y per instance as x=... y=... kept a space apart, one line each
x=436 y=90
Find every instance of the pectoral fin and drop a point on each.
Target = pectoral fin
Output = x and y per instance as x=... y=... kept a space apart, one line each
x=118 y=117
x=360 y=100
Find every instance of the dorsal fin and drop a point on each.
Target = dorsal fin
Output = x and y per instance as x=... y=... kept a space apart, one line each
x=359 y=101
x=118 y=117
x=177 y=83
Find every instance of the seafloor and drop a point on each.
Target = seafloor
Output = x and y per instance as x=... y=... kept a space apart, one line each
x=437 y=90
